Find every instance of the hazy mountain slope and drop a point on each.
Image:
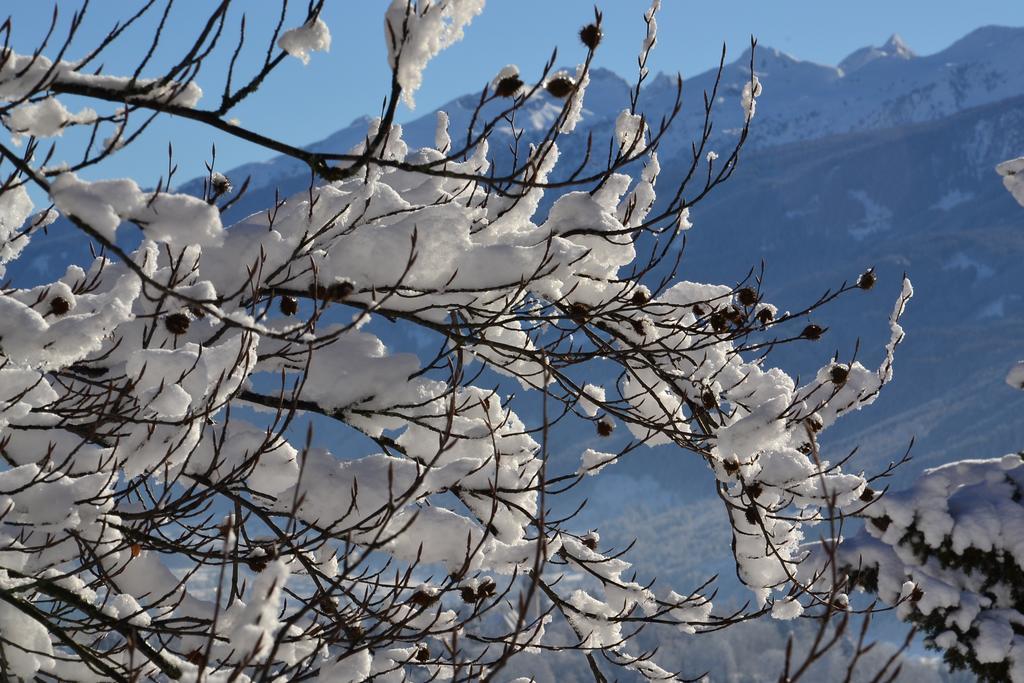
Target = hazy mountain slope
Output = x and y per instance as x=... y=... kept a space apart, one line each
x=889 y=87
x=923 y=200
x=873 y=88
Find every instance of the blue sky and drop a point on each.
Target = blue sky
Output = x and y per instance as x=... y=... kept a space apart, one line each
x=301 y=104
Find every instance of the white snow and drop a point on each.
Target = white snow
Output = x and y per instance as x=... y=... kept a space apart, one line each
x=592 y=462
x=313 y=36
x=416 y=31
x=877 y=217
x=748 y=99
x=1012 y=172
x=46 y=118
x=1015 y=377
x=952 y=199
x=786 y=609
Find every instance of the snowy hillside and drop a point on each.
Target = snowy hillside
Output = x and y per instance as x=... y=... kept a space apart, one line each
x=873 y=88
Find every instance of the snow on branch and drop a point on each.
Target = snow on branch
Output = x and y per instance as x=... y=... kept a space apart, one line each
x=315 y=441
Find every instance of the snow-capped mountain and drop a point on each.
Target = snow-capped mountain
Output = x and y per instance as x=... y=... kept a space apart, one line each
x=873 y=88
x=893 y=48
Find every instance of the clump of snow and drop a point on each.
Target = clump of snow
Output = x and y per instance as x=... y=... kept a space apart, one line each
x=592 y=462
x=416 y=31
x=350 y=668
x=591 y=394
x=313 y=36
x=1015 y=377
x=748 y=98
x=254 y=626
x=573 y=112
x=651 y=36
x=104 y=204
x=46 y=118
x=932 y=549
x=630 y=131
x=786 y=609
x=442 y=139
x=683 y=222
x=1012 y=172
x=15 y=208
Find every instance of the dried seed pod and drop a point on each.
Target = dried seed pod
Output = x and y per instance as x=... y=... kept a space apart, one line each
x=747 y=296
x=591 y=35
x=486 y=589
x=177 y=323
x=560 y=87
x=422 y=598
x=734 y=315
x=578 y=313
x=867 y=279
x=730 y=466
x=867 y=495
x=508 y=86
x=838 y=374
x=812 y=332
x=707 y=399
x=289 y=306
x=765 y=316
x=355 y=632
x=467 y=594
x=881 y=523
x=59 y=305
x=220 y=183
x=605 y=427
x=422 y=653
x=340 y=290
x=639 y=298
x=751 y=515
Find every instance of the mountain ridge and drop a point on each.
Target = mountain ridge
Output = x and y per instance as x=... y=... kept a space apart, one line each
x=890 y=87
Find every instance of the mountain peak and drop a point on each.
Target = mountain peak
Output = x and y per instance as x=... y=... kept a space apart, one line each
x=765 y=57
x=894 y=48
